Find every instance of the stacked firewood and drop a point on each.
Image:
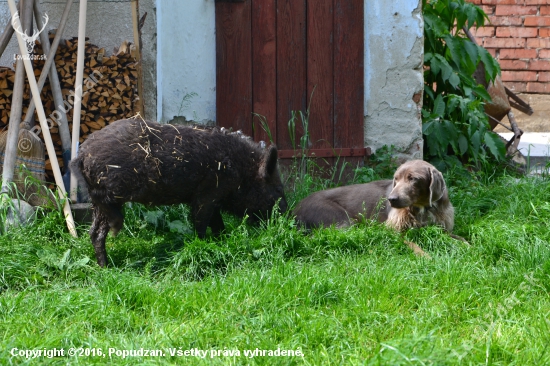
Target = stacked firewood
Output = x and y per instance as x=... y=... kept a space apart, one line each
x=7 y=77
x=109 y=90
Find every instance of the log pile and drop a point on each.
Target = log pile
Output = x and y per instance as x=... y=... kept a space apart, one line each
x=109 y=90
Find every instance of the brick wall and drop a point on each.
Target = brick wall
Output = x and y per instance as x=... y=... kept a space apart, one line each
x=519 y=38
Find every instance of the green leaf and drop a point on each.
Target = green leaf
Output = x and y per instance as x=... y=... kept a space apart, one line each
x=454 y=80
x=428 y=56
x=433 y=23
x=81 y=262
x=476 y=143
x=451 y=132
x=472 y=16
x=481 y=17
x=471 y=50
x=440 y=133
x=482 y=92
x=439 y=106
x=491 y=66
x=454 y=48
x=63 y=262
x=462 y=144
x=435 y=64
x=443 y=66
x=461 y=17
x=495 y=145
x=452 y=103
x=428 y=90
x=427 y=127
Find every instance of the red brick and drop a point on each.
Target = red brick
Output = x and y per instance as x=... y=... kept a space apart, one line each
x=517 y=87
x=544 y=77
x=503 y=2
x=537 y=21
x=539 y=65
x=543 y=88
x=513 y=65
x=483 y=32
x=544 y=32
x=516 y=32
x=517 y=53
x=504 y=43
x=492 y=52
x=545 y=10
x=537 y=2
x=538 y=42
x=477 y=2
x=544 y=54
x=505 y=20
x=519 y=76
x=515 y=10
x=488 y=9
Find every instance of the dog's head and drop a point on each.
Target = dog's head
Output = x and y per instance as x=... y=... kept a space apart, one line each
x=416 y=183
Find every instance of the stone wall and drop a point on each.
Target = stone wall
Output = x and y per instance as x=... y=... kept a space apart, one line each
x=394 y=56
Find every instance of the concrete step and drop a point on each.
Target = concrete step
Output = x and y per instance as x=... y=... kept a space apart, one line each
x=535 y=146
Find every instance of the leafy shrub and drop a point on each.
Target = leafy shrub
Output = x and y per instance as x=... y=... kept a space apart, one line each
x=455 y=126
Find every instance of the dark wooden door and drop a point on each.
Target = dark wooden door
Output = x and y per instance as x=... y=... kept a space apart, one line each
x=276 y=57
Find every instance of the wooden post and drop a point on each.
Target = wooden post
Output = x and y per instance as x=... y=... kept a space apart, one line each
x=12 y=138
x=50 y=70
x=78 y=90
x=6 y=35
x=137 y=43
x=43 y=124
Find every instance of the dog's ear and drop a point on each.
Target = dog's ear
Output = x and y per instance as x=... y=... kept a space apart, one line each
x=437 y=185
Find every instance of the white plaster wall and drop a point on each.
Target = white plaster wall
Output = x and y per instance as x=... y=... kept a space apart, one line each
x=186 y=59
x=394 y=52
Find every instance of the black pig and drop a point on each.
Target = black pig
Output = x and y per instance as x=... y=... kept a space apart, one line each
x=159 y=164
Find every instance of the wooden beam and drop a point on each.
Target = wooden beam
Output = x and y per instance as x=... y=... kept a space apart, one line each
x=137 y=45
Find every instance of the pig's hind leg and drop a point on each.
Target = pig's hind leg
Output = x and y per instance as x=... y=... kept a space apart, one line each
x=105 y=218
x=98 y=232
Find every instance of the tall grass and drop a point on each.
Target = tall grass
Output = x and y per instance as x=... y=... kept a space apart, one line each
x=354 y=296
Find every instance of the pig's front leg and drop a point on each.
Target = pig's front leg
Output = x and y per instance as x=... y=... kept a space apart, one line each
x=202 y=216
x=216 y=222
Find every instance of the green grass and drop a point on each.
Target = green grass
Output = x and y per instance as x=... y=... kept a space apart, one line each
x=356 y=296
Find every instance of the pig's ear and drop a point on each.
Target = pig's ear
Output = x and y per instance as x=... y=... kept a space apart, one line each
x=269 y=162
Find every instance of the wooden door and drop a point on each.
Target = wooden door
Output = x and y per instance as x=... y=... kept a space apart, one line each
x=279 y=57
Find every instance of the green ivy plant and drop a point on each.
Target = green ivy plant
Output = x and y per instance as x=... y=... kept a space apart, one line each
x=455 y=127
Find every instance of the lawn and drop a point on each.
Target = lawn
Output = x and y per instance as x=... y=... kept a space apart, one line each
x=274 y=295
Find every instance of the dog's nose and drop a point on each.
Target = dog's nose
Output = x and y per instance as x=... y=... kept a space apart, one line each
x=393 y=199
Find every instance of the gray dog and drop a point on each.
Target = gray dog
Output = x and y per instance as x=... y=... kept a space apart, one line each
x=417 y=196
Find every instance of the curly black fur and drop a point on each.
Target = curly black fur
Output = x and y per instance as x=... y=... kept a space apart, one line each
x=159 y=164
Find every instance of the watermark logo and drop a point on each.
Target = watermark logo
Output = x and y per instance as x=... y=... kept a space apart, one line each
x=29 y=40
x=24 y=145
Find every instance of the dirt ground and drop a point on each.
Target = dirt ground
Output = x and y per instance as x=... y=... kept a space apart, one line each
x=539 y=121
